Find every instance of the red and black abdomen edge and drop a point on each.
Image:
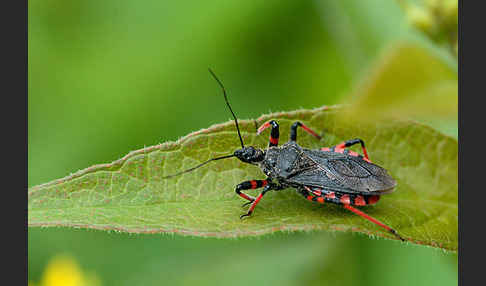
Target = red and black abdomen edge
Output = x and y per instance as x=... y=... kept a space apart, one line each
x=322 y=195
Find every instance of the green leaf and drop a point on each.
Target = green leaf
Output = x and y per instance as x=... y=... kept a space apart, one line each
x=129 y=194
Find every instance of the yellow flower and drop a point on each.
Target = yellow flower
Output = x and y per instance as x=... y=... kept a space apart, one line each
x=63 y=270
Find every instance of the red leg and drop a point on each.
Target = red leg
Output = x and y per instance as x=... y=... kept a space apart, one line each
x=373 y=220
x=293 y=131
x=249 y=185
x=274 y=134
x=320 y=196
x=340 y=148
x=256 y=201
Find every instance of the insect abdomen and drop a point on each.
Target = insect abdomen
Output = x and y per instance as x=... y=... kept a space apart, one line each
x=321 y=196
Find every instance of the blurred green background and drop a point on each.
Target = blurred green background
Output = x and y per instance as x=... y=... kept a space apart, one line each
x=108 y=77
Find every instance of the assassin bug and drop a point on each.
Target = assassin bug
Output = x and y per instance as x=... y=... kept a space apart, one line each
x=331 y=174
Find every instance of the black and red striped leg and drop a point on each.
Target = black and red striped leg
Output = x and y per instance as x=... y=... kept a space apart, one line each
x=373 y=220
x=256 y=201
x=293 y=131
x=274 y=134
x=350 y=143
x=250 y=185
x=320 y=196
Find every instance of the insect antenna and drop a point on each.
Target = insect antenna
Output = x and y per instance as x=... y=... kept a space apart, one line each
x=227 y=103
x=200 y=165
x=237 y=128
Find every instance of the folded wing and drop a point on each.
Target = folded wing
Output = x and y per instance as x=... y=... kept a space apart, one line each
x=340 y=172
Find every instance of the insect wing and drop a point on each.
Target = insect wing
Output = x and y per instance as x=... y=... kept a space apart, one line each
x=345 y=173
x=360 y=175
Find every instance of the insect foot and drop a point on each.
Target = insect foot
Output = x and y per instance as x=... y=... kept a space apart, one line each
x=245 y=215
x=396 y=234
x=246 y=204
x=255 y=201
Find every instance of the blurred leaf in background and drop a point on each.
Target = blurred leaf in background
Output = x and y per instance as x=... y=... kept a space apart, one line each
x=437 y=19
x=305 y=258
x=407 y=82
x=107 y=77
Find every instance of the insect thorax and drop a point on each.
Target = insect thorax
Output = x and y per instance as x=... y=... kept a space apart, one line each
x=281 y=161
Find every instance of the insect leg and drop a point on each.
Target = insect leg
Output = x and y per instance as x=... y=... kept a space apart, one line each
x=249 y=185
x=274 y=134
x=317 y=195
x=350 y=143
x=293 y=131
x=256 y=201
x=373 y=220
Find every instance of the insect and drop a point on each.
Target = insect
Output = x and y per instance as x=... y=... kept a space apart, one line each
x=327 y=175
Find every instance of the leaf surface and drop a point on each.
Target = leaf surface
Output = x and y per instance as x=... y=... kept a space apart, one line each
x=130 y=195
